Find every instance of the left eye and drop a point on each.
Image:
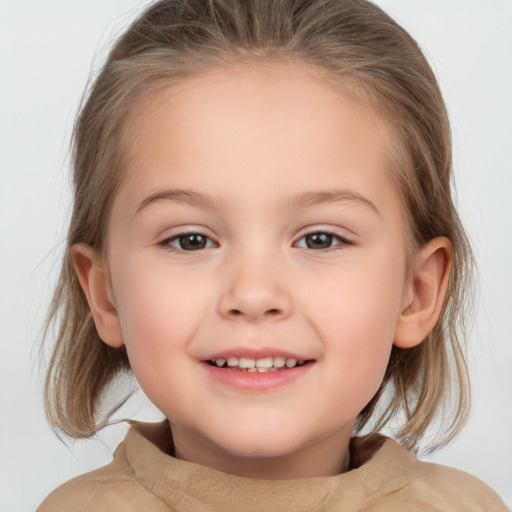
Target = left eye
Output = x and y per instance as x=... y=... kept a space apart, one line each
x=189 y=242
x=320 y=240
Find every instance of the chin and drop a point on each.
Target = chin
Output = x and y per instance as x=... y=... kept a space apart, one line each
x=260 y=442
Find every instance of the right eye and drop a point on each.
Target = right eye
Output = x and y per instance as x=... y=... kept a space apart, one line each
x=188 y=242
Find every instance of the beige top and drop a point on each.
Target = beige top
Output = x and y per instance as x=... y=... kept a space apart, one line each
x=142 y=477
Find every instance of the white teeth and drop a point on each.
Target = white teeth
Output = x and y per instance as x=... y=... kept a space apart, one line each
x=279 y=362
x=246 y=363
x=264 y=363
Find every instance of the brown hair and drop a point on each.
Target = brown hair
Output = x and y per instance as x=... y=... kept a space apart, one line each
x=352 y=42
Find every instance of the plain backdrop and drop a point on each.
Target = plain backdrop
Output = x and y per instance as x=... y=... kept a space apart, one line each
x=47 y=51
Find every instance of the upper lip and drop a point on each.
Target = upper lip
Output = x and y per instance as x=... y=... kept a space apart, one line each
x=261 y=353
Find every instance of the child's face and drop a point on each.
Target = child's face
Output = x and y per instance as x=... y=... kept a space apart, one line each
x=258 y=219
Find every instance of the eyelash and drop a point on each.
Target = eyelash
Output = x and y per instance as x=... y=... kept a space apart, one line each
x=167 y=243
x=209 y=243
x=333 y=237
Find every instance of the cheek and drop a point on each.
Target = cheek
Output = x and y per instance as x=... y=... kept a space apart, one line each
x=159 y=315
x=355 y=315
x=158 y=310
x=362 y=299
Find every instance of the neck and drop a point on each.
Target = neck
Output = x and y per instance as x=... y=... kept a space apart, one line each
x=328 y=456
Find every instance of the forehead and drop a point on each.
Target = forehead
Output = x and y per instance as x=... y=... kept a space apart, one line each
x=256 y=127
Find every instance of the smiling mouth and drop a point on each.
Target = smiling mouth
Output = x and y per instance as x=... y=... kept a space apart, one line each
x=263 y=365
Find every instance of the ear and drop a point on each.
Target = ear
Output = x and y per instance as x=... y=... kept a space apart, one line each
x=95 y=283
x=424 y=293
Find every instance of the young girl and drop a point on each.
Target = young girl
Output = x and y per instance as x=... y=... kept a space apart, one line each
x=263 y=233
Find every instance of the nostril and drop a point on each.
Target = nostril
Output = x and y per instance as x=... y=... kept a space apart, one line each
x=269 y=312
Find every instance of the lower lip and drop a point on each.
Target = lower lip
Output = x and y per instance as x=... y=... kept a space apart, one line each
x=256 y=382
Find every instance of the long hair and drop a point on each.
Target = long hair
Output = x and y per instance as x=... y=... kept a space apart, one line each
x=352 y=43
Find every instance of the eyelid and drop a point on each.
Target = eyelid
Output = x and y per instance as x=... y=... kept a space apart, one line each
x=337 y=231
x=311 y=230
x=199 y=230
x=185 y=231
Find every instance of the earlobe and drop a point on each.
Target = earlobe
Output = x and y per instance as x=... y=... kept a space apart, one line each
x=424 y=293
x=95 y=284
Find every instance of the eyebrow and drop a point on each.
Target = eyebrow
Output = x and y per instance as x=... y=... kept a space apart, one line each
x=301 y=200
x=180 y=196
x=332 y=196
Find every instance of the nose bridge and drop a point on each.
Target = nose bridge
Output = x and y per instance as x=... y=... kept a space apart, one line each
x=254 y=287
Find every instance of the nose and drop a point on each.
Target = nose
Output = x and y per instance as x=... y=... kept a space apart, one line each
x=254 y=292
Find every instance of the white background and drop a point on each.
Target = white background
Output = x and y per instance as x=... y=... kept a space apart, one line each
x=46 y=52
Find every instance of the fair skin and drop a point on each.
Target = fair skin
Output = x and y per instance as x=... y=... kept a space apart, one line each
x=258 y=220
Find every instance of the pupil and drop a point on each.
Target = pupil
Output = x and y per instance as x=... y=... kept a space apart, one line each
x=192 y=242
x=318 y=241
